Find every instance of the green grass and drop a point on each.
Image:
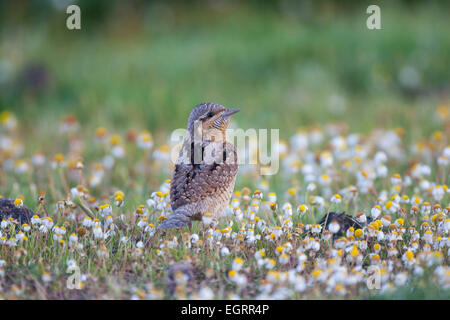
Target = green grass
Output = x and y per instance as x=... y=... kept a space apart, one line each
x=279 y=70
x=147 y=70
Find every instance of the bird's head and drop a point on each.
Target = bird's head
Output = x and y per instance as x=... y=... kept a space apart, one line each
x=209 y=121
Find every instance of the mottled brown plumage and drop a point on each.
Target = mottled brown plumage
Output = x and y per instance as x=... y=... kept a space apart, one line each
x=205 y=172
x=193 y=183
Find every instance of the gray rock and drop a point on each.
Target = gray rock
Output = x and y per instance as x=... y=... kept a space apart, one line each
x=9 y=210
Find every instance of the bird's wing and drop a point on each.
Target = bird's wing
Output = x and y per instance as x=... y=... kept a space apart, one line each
x=194 y=182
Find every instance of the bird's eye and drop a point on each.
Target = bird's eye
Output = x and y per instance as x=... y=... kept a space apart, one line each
x=210 y=114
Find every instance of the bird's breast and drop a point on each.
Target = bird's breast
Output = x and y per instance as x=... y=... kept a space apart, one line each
x=205 y=186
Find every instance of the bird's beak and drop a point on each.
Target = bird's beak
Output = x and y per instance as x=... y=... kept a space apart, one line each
x=223 y=117
x=228 y=113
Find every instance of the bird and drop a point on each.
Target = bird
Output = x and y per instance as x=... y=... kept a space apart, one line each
x=205 y=172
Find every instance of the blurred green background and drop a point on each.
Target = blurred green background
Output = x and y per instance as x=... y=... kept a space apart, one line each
x=286 y=64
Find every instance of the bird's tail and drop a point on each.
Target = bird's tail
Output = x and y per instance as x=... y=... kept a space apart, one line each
x=179 y=218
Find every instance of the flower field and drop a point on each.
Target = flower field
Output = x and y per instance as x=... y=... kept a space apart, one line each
x=99 y=199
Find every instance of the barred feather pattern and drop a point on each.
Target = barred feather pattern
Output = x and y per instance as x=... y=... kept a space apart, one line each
x=179 y=218
x=205 y=187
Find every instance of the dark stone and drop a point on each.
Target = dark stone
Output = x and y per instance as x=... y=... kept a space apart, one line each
x=9 y=210
x=183 y=267
x=345 y=221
